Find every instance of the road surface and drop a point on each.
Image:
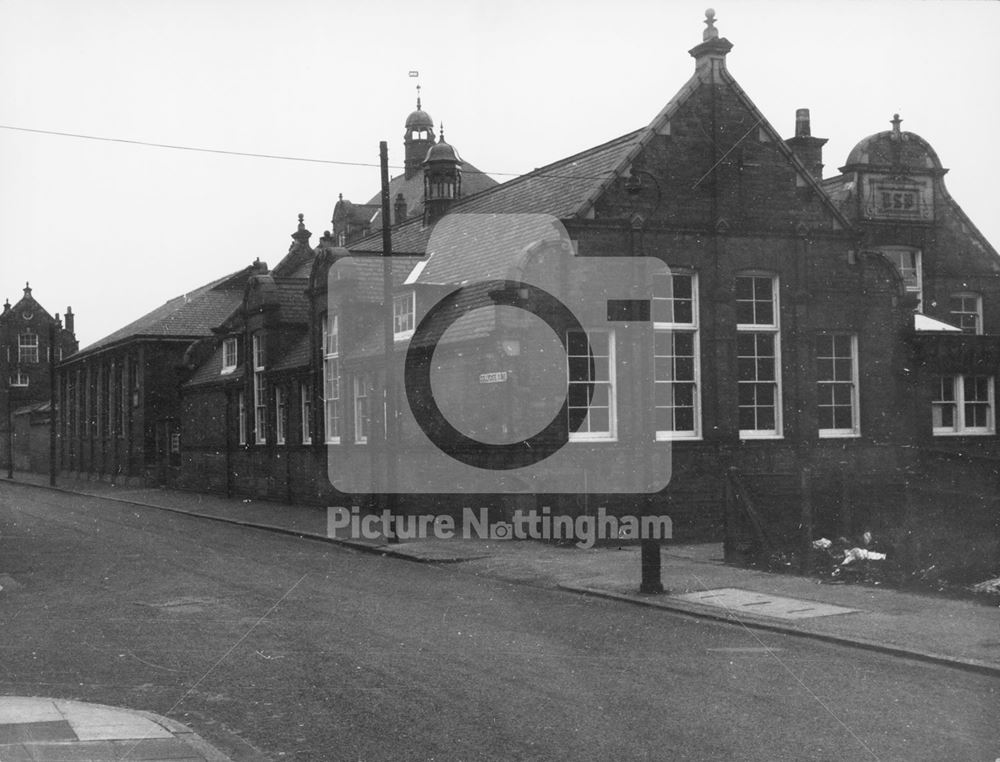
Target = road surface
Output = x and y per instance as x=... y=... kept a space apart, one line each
x=293 y=649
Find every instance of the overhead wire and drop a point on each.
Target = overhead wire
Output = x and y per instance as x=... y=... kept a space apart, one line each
x=279 y=157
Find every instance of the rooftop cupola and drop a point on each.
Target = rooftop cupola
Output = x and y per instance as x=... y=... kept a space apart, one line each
x=710 y=56
x=807 y=149
x=895 y=151
x=417 y=140
x=442 y=179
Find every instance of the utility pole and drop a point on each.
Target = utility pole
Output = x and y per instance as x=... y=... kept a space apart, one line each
x=10 y=430
x=388 y=497
x=53 y=406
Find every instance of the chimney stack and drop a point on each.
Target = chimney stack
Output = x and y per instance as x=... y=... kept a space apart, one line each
x=807 y=149
x=399 y=209
x=69 y=320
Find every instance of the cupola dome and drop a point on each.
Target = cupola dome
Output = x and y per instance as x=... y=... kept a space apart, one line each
x=442 y=151
x=893 y=150
x=419 y=119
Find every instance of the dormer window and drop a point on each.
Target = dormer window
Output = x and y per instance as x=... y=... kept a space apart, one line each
x=403 y=315
x=230 y=355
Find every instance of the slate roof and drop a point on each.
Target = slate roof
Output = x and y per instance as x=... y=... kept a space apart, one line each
x=293 y=300
x=188 y=316
x=572 y=186
x=474 y=181
x=303 y=269
x=367 y=272
x=842 y=192
x=560 y=189
x=476 y=324
x=297 y=355
x=210 y=371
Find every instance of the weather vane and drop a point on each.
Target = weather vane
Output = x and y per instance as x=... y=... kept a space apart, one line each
x=416 y=74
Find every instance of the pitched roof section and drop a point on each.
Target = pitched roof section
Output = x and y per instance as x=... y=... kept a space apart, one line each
x=297 y=355
x=561 y=189
x=191 y=315
x=572 y=187
x=483 y=246
x=661 y=126
x=473 y=181
x=804 y=174
x=210 y=371
x=366 y=274
x=293 y=300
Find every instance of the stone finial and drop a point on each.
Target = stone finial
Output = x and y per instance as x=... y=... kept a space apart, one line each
x=27 y=289
x=710 y=33
x=301 y=235
x=896 y=121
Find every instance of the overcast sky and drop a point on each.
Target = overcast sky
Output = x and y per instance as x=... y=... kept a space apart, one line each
x=115 y=229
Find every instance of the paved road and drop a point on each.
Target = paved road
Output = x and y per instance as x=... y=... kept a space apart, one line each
x=301 y=650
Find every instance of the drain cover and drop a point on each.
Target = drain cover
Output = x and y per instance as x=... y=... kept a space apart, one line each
x=748 y=602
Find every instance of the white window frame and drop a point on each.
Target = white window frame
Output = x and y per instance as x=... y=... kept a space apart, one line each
x=772 y=328
x=241 y=414
x=914 y=284
x=362 y=408
x=672 y=328
x=27 y=348
x=305 y=412
x=584 y=434
x=404 y=315
x=259 y=391
x=280 y=412
x=976 y=310
x=19 y=379
x=852 y=383
x=230 y=355
x=333 y=417
x=958 y=403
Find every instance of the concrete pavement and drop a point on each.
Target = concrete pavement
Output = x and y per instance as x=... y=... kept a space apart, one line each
x=960 y=633
x=40 y=729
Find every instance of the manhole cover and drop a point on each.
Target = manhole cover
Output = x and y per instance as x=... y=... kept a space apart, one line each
x=748 y=602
